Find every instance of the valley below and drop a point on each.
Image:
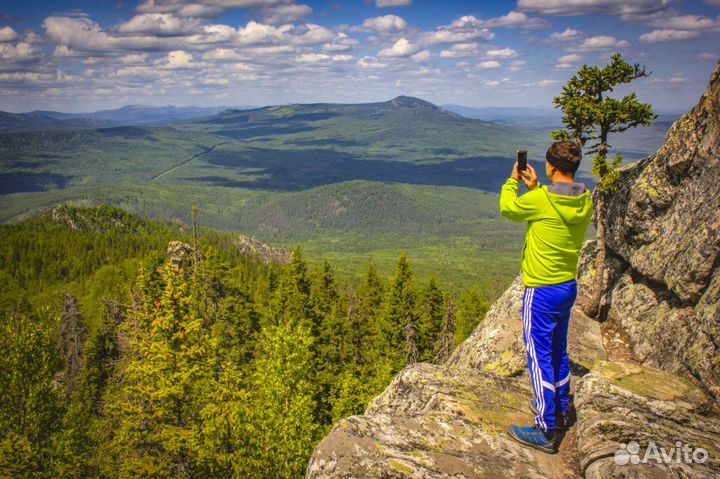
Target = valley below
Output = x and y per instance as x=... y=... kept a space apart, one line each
x=346 y=181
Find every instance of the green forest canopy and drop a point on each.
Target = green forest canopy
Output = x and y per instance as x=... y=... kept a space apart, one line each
x=120 y=360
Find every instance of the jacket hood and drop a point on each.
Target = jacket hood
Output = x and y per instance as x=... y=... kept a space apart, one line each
x=572 y=201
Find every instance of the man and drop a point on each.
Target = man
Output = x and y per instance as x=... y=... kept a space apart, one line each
x=557 y=218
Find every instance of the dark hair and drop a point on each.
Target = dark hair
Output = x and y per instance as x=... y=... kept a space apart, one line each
x=565 y=156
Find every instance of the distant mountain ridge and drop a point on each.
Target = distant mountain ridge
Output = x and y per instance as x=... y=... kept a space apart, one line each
x=126 y=115
x=404 y=128
x=146 y=114
x=401 y=100
x=139 y=114
x=39 y=121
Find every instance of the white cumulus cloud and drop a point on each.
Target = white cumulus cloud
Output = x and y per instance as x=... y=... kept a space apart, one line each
x=571 y=58
x=601 y=42
x=385 y=23
x=310 y=34
x=285 y=13
x=134 y=58
x=547 y=82
x=421 y=56
x=586 y=7
x=213 y=34
x=7 y=34
x=401 y=48
x=341 y=43
x=178 y=59
x=567 y=62
x=255 y=33
x=502 y=53
x=222 y=55
x=84 y=35
x=566 y=35
x=464 y=29
x=319 y=57
x=666 y=35
x=511 y=19
x=489 y=64
x=674 y=20
x=460 y=50
x=159 y=24
x=20 y=53
x=203 y=8
x=370 y=62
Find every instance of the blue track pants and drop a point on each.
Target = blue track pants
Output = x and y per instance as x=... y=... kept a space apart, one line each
x=545 y=318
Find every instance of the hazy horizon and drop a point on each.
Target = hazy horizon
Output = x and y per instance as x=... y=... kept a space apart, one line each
x=240 y=107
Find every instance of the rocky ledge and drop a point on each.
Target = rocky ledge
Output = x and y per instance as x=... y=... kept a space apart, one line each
x=265 y=253
x=646 y=372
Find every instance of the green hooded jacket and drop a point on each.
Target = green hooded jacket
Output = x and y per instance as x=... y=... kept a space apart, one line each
x=556 y=226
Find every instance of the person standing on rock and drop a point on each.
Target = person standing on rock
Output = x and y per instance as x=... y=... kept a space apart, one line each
x=557 y=218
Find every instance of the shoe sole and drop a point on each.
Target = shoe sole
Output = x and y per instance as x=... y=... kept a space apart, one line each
x=529 y=444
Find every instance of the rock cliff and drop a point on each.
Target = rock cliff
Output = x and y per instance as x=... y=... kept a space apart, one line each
x=265 y=253
x=646 y=372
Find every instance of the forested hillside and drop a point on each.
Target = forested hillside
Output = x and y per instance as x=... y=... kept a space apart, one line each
x=344 y=180
x=134 y=348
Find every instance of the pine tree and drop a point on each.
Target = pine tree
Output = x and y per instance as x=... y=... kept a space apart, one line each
x=471 y=312
x=399 y=310
x=430 y=315
x=365 y=315
x=230 y=311
x=226 y=445
x=285 y=402
x=329 y=317
x=354 y=385
x=155 y=412
x=445 y=344
x=30 y=403
x=324 y=291
x=74 y=447
x=291 y=298
x=411 y=332
x=72 y=334
x=371 y=290
x=590 y=114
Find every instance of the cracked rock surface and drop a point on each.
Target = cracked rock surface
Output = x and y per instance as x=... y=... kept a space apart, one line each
x=646 y=372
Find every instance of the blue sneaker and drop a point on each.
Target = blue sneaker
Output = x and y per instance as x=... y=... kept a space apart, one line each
x=534 y=437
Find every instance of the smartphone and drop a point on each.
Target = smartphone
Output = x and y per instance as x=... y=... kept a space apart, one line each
x=522 y=160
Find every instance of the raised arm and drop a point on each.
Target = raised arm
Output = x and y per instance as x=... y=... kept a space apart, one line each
x=528 y=207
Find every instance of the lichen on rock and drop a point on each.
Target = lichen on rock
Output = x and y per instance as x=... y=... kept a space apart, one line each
x=647 y=371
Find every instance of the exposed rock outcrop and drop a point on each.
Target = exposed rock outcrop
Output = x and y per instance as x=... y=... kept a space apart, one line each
x=435 y=422
x=179 y=254
x=497 y=344
x=265 y=253
x=622 y=402
x=646 y=374
x=664 y=225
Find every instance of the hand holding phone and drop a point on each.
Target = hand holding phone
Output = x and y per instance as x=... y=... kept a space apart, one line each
x=529 y=177
x=522 y=160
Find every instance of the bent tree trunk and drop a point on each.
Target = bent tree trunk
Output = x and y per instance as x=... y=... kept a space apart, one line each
x=599 y=283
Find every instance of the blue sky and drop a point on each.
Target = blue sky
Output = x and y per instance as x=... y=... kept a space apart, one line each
x=88 y=55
